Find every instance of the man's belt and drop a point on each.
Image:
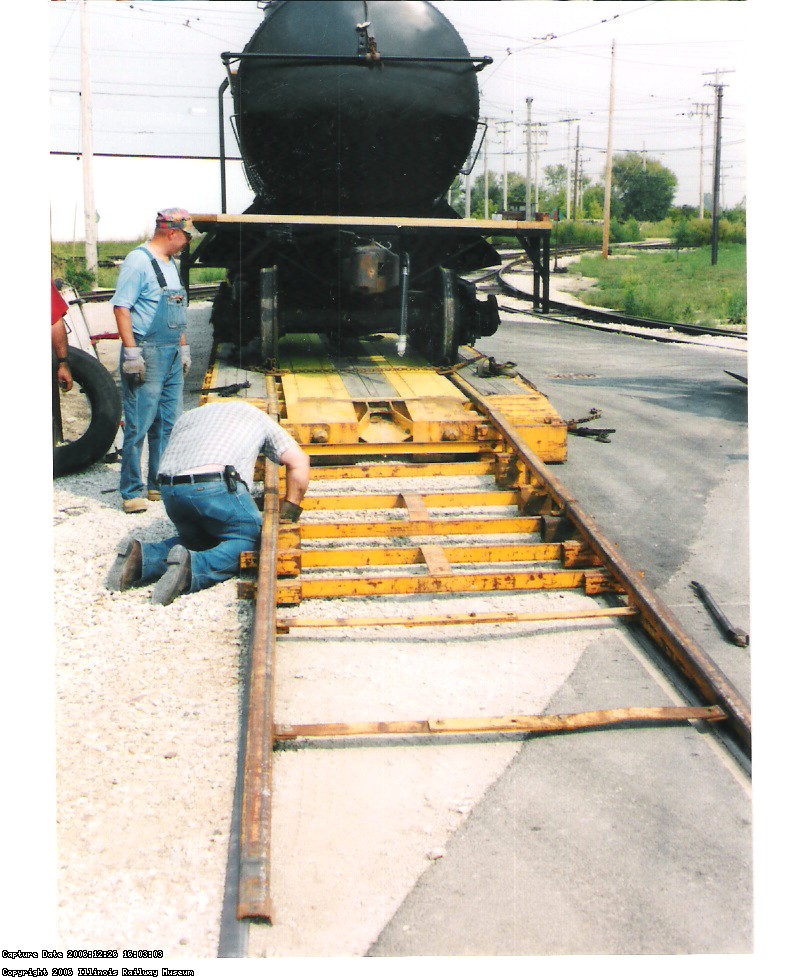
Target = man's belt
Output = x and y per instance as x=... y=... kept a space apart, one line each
x=182 y=480
x=229 y=475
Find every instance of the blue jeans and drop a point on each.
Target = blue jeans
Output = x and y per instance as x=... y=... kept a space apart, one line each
x=215 y=525
x=149 y=410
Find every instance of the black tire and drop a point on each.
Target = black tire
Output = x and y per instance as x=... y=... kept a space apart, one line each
x=446 y=328
x=96 y=437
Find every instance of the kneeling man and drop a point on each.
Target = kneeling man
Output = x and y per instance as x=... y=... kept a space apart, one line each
x=206 y=476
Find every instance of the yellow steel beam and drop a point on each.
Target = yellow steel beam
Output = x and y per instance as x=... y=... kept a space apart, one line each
x=431 y=500
x=379 y=557
x=363 y=449
x=297 y=591
x=411 y=528
x=402 y=470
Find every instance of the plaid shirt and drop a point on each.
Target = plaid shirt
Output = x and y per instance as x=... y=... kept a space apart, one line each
x=224 y=433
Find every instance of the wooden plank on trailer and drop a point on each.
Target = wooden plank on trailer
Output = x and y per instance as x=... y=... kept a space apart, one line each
x=416 y=507
x=436 y=560
x=326 y=220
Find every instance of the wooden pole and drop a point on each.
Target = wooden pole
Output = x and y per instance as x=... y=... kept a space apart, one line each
x=606 y=224
x=90 y=222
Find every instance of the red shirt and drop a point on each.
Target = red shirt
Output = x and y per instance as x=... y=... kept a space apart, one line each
x=57 y=305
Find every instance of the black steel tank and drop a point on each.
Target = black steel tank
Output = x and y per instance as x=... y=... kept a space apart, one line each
x=355 y=107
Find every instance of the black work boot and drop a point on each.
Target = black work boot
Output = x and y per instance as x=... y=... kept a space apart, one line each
x=127 y=567
x=176 y=579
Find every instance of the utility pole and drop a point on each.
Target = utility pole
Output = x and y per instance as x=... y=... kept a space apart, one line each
x=539 y=126
x=503 y=129
x=485 y=166
x=606 y=222
x=702 y=109
x=717 y=86
x=568 y=163
x=90 y=222
x=528 y=210
x=533 y=130
x=583 y=160
x=576 y=193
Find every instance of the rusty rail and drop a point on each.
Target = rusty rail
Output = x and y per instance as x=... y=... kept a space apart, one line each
x=254 y=900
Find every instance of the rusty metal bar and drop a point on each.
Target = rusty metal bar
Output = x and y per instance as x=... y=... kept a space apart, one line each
x=545 y=723
x=285 y=624
x=254 y=890
x=657 y=620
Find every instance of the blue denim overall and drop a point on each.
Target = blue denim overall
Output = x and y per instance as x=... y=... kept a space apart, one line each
x=151 y=408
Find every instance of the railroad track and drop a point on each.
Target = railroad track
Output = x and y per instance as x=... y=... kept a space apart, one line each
x=197 y=292
x=583 y=316
x=430 y=510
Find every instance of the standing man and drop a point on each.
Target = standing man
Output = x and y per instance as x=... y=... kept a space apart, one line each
x=150 y=307
x=206 y=476
x=58 y=337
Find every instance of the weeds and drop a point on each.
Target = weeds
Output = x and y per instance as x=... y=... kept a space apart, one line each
x=673 y=286
x=67 y=262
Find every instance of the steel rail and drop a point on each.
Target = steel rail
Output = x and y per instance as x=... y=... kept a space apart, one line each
x=656 y=619
x=254 y=901
x=103 y=295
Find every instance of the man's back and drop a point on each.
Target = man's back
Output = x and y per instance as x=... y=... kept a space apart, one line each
x=223 y=433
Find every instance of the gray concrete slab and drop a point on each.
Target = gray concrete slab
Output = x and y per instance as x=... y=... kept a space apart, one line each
x=619 y=841
x=627 y=841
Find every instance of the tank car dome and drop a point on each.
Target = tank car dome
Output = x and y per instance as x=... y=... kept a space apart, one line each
x=355 y=134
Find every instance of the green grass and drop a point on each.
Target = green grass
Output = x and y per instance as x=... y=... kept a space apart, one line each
x=67 y=261
x=673 y=286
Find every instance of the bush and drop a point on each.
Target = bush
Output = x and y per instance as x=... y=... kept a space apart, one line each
x=658 y=229
x=696 y=233
x=577 y=233
x=630 y=230
x=734 y=232
x=692 y=234
x=74 y=272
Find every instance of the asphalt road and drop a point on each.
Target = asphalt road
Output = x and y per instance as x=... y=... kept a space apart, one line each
x=627 y=841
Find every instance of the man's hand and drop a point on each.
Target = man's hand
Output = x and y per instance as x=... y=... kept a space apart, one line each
x=133 y=368
x=186 y=359
x=64 y=377
x=289 y=512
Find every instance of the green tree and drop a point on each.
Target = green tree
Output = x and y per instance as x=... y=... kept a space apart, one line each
x=644 y=187
x=594 y=202
x=555 y=179
x=516 y=191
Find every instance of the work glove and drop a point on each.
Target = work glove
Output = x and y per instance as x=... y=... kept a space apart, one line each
x=289 y=512
x=133 y=368
x=186 y=359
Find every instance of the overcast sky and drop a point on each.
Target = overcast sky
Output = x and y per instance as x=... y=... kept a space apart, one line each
x=156 y=70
